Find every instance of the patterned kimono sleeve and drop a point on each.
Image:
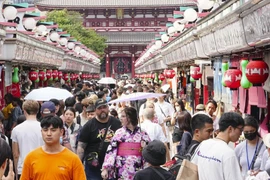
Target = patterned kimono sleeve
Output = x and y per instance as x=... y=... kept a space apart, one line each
x=111 y=154
x=146 y=139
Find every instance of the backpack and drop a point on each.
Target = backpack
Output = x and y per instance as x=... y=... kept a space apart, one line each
x=178 y=159
x=78 y=119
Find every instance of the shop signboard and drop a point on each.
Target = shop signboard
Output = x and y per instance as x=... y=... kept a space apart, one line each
x=257 y=26
x=209 y=45
x=230 y=38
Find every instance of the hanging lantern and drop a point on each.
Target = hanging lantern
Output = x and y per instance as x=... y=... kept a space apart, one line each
x=244 y=81
x=257 y=71
x=49 y=75
x=195 y=72
x=83 y=76
x=60 y=74
x=152 y=76
x=41 y=75
x=66 y=76
x=55 y=75
x=33 y=75
x=161 y=77
x=232 y=78
x=170 y=73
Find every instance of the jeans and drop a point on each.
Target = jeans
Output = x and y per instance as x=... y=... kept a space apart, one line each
x=91 y=172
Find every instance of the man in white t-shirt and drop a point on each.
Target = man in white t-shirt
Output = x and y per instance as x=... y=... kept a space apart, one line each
x=26 y=136
x=214 y=158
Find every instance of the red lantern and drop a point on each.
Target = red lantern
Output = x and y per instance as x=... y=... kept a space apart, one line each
x=161 y=77
x=33 y=75
x=195 y=72
x=170 y=73
x=165 y=73
x=232 y=78
x=66 y=76
x=49 y=74
x=152 y=76
x=257 y=71
x=41 y=75
x=83 y=76
x=55 y=74
x=60 y=74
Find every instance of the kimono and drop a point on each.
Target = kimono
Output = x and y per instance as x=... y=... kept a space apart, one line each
x=73 y=132
x=124 y=166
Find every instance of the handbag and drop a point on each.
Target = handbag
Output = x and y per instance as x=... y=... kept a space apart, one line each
x=92 y=158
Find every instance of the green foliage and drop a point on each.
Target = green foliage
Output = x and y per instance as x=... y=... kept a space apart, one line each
x=72 y=22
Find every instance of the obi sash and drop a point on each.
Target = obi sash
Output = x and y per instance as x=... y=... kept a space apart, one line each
x=128 y=149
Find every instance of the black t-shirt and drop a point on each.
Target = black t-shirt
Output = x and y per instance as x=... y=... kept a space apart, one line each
x=92 y=133
x=150 y=174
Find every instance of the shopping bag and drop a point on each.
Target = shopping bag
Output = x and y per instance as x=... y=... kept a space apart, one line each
x=188 y=170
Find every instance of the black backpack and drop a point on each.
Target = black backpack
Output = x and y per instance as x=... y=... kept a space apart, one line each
x=174 y=169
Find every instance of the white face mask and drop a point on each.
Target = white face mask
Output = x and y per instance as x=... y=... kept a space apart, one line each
x=178 y=108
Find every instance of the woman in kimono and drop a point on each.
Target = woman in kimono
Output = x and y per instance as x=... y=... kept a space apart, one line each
x=124 y=154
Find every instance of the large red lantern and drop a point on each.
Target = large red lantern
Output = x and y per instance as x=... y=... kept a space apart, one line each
x=257 y=71
x=195 y=72
x=41 y=75
x=60 y=74
x=55 y=74
x=232 y=78
x=161 y=77
x=170 y=73
x=49 y=75
x=33 y=75
x=152 y=76
x=66 y=76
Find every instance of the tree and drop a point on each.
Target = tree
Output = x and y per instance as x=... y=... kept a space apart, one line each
x=72 y=22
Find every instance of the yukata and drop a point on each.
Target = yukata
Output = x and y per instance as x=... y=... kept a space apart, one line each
x=118 y=161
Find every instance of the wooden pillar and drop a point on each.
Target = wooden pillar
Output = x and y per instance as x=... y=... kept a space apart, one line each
x=107 y=65
x=133 y=66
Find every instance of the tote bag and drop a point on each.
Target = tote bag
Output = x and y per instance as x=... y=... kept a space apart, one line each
x=188 y=170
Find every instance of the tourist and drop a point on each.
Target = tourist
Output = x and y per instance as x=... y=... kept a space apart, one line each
x=5 y=161
x=93 y=142
x=214 y=158
x=126 y=144
x=52 y=160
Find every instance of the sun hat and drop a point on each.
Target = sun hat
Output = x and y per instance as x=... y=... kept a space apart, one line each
x=155 y=153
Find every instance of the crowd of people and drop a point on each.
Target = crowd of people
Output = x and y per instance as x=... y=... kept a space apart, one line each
x=87 y=137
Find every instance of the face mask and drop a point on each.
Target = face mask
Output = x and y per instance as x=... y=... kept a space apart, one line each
x=177 y=108
x=61 y=140
x=250 y=136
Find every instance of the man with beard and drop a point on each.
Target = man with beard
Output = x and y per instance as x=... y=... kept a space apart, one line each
x=94 y=139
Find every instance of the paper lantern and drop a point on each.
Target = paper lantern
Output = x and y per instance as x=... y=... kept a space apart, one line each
x=190 y=15
x=165 y=38
x=29 y=23
x=63 y=41
x=224 y=68
x=77 y=49
x=15 y=76
x=205 y=4
x=195 y=72
x=41 y=75
x=10 y=13
x=65 y=76
x=70 y=45
x=55 y=74
x=152 y=76
x=41 y=29
x=232 y=78
x=158 y=44
x=178 y=26
x=161 y=77
x=60 y=74
x=54 y=36
x=33 y=75
x=171 y=31
x=257 y=71
x=49 y=75
x=169 y=73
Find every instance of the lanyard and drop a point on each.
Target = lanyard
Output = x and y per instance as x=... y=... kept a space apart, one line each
x=249 y=165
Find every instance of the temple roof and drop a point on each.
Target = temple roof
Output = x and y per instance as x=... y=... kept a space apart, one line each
x=111 y=3
x=128 y=37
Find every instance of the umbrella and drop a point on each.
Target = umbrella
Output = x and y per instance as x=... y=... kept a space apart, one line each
x=126 y=86
x=47 y=93
x=107 y=80
x=136 y=96
x=165 y=87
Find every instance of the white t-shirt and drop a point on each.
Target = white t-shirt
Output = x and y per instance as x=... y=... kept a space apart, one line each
x=153 y=130
x=159 y=118
x=216 y=161
x=28 y=136
x=241 y=155
x=265 y=164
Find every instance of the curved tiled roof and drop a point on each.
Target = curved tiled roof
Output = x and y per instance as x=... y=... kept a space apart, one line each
x=111 y=3
x=128 y=37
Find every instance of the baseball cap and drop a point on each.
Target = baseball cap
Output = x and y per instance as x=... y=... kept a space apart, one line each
x=47 y=107
x=100 y=102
